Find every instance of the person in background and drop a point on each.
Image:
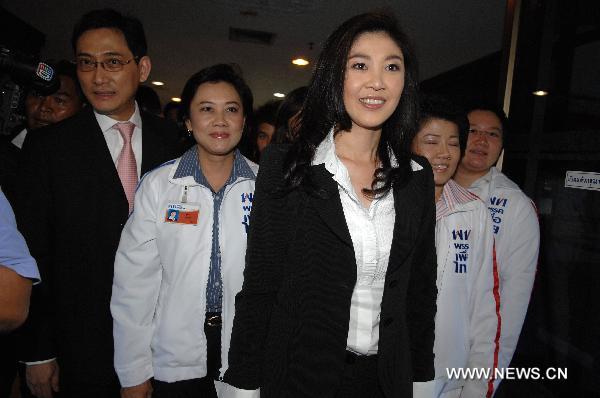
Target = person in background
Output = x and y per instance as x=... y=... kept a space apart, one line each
x=171 y=111
x=148 y=100
x=181 y=255
x=76 y=189
x=288 y=116
x=339 y=293
x=515 y=223
x=44 y=110
x=41 y=111
x=466 y=322
x=262 y=133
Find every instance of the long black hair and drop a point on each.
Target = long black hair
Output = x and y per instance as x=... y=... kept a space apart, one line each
x=324 y=107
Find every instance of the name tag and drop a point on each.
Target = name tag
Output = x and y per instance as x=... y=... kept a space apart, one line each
x=182 y=213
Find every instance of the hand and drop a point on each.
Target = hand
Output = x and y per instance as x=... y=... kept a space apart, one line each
x=42 y=379
x=143 y=390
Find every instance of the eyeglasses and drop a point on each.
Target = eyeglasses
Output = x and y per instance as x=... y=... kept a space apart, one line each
x=109 y=64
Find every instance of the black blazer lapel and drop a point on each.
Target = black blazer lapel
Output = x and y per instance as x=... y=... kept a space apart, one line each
x=408 y=209
x=329 y=206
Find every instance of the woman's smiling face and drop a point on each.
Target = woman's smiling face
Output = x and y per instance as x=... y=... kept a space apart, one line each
x=374 y=80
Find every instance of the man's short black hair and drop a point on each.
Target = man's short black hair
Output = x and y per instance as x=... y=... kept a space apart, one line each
x=434 y=106
x=131 y=28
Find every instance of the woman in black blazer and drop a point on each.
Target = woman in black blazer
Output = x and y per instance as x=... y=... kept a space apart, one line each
x=339 y=287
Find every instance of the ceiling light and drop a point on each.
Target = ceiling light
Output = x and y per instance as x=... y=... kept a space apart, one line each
x=540 y=93
x=176 y=99
x=279 y=95
x=300 y=62
x=157 y=83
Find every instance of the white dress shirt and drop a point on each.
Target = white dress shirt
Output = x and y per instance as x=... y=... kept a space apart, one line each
x=371 y=230
x=19 y=139
x=114 y=141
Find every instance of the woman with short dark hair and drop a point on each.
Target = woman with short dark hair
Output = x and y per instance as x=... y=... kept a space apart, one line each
x=181 y=254
x=339 y=287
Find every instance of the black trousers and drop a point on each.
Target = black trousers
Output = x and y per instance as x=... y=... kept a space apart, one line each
x=359 y=379
x=197 y=388
x=8 y=363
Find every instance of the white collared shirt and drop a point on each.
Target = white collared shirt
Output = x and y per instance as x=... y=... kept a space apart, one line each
x=371 y=230
x=19 y=139
x=113 y=138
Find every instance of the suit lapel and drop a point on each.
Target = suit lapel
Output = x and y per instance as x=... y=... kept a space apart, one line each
x=330 y=206
x=99 y=155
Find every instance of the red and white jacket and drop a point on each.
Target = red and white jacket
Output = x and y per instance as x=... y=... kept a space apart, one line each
x=466 y=323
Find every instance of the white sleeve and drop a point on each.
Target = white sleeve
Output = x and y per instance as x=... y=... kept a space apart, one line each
x=483 y=317
x=136 y=286
x=517 y=255
x=225 y=390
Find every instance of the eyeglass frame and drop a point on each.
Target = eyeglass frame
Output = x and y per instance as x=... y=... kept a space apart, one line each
x=104 y=63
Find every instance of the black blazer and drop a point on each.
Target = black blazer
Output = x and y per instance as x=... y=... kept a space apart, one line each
x=71 y=211
x=292 y=314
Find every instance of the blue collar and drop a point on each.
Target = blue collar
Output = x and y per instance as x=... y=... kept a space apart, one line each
x=190 y=167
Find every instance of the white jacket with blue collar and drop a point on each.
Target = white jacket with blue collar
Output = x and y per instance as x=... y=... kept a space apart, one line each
x=161 y=272
x=466 y=322
x=517 y=234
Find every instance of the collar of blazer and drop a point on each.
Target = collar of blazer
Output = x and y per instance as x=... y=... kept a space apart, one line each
x=408 y=204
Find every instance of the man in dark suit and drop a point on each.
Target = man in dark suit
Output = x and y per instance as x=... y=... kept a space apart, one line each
x=40 y=110
x=76 y=190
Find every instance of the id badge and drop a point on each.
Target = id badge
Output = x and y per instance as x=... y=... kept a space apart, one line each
x=182 y=213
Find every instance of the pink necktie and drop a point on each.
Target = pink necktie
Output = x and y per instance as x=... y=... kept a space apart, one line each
x=126 y=166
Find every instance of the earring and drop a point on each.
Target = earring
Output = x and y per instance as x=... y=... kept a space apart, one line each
x=190 y=133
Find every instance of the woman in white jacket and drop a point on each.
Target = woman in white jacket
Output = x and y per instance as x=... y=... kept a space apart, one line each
x=466 y=323
x=181 y=257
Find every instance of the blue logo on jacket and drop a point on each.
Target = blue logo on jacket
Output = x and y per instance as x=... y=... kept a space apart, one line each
x=461 y=247
x=497 y=206
x=247 y=198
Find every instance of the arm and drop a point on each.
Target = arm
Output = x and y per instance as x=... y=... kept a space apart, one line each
x=16 y=266
x=14 y=299
x=422 y=290
x=262 y=276
x=517 y=254
x=136 y=286
x=34 y=209
x=483 y=317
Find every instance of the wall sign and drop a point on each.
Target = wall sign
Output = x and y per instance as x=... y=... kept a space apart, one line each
x=582 y=180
